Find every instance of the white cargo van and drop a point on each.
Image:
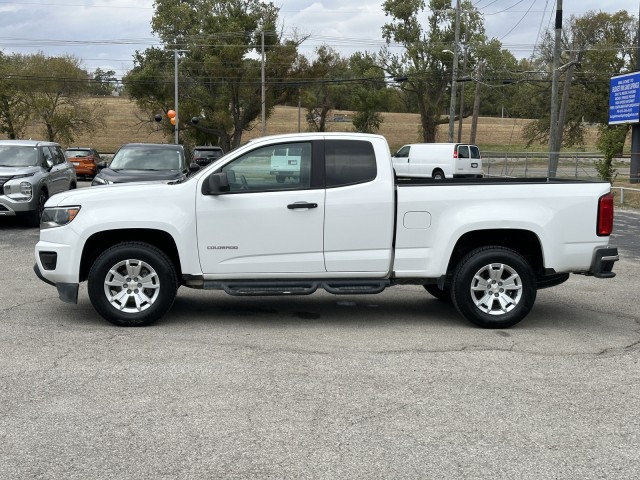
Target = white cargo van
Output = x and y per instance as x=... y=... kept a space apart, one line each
x=286 y=162
x=438 y=160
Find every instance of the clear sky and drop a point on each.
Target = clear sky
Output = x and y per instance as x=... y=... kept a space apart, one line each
x=105 y=33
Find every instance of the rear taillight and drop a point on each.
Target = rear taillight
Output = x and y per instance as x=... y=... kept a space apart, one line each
x=455 y=153
x=605 y=215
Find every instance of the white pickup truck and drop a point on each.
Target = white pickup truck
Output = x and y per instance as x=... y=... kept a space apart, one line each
x=344 y=223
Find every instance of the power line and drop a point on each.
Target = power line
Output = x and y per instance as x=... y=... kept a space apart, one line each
x=519 y=21
x=71 y=5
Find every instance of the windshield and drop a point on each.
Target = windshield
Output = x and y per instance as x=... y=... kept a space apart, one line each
x=78 y=153
x=199 y=153
x=147 y=159
x=18 y=156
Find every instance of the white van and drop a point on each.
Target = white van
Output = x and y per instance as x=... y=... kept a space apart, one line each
x=438 y=160
x=286 y=162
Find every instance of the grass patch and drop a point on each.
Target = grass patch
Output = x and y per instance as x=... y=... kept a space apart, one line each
x=626 y=195
x=125 y=123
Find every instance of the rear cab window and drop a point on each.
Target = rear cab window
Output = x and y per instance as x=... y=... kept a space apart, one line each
x=349 y=162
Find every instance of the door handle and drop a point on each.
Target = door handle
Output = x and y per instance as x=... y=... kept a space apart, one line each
x=293 y=206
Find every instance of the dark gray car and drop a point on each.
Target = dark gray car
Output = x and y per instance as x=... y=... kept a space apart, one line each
x=204 y=155
x=145 y=162
x=30 y=172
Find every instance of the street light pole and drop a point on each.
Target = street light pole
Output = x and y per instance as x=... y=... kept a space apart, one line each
x=454 y=73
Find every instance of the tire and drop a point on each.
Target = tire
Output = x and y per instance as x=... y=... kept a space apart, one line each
x=34 y=219
x=438 y=175
x=150 y=276
x=494 y=287
x=442 y=295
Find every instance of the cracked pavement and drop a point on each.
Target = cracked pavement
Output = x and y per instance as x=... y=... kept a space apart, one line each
x=395 y=385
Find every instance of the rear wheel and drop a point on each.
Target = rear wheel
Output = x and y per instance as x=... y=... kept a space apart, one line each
x=438 y=175
x=494 y=287
x=132 y=284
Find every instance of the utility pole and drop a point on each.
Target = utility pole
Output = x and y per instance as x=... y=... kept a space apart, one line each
x=634 y=169
x=554 y=146
x=175 y=93
x=263 y=95
x=564 y=105
x=464 y=72
x=454 y=73
x=476 y=103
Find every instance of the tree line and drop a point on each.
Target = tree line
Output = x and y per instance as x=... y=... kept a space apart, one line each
x=219 y=45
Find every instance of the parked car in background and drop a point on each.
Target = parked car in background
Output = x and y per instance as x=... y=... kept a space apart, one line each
x=30 y=172
x=84 y=159
x=144 y=162
x=204 y=155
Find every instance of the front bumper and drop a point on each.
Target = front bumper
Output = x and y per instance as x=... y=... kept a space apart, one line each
x=67 y=292
x=602 y=263
x=13 y=208
x=86 y=170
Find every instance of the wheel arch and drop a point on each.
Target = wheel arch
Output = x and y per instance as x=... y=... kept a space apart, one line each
x=525 y=242
x=438 y=170
x=100 y=241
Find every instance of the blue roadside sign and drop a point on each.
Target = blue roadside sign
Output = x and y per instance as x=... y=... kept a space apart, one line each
x=624 y=99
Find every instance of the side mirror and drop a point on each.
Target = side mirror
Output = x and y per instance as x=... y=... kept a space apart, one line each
x=101 y=165
x=216 y=184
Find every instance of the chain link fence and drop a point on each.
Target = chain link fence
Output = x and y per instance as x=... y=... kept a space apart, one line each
x=579 y=165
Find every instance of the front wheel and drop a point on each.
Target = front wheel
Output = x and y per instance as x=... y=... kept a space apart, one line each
x=494 y=287
x=36 y=216
x=132 y=284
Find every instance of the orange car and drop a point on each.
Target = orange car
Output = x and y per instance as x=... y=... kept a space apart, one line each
x=84 y=160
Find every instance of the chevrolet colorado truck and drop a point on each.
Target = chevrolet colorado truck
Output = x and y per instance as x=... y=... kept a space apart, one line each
x=342 y=221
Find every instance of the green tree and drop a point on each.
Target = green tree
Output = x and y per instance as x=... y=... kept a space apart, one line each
x=325 y=86
x=102 y=82
x=14 y=113
x=57 y=97
x=424 y=61
x=610 y=143
x=369 y=94
x=595 y=47
x=219 y=73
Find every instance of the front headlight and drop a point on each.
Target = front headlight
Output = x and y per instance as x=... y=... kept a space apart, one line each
x=58 y=216
x=21 y=191
x=100 y=181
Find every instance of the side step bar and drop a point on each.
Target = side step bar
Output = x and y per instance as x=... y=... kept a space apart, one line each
x=262 y=288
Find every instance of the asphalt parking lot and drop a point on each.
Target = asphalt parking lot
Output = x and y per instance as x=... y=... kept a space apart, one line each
x=395 y=385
